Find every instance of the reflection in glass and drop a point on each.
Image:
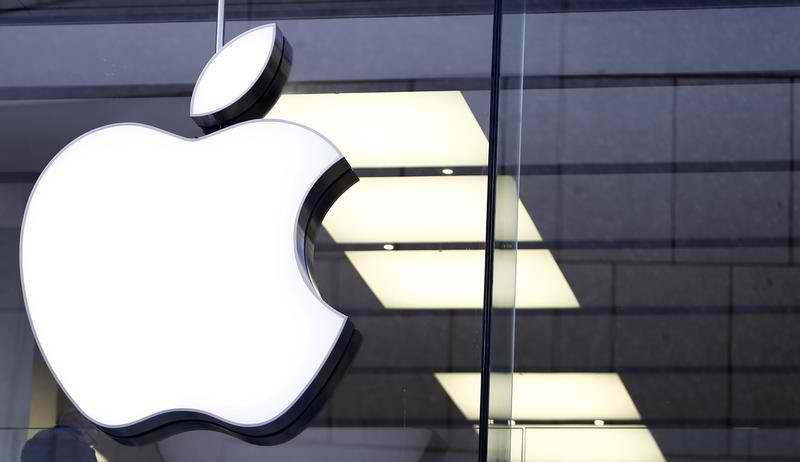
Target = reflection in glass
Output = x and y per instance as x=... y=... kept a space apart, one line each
x=658 y=158
x=403 y=94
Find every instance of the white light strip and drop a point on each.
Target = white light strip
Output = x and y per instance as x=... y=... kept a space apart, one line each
x=405 y=129
x=517 y=451
x=548 y=396
x=420 y=209
x=563 y=396
x=596 y=444
x=397 y=129
x=450 y=279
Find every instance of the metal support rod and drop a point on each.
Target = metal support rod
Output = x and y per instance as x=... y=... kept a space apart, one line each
x=491 y=210
x=220 y=24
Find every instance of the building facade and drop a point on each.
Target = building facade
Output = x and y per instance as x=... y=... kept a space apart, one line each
x=634 y=162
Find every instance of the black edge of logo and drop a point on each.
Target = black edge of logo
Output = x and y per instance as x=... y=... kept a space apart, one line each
x=261 y=96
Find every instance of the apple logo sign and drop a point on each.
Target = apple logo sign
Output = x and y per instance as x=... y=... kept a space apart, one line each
x=167 y=279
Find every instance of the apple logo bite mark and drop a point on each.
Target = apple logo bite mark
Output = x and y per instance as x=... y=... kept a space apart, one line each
x=166 y=279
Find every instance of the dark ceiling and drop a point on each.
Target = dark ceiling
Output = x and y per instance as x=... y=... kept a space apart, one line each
x=98 y=11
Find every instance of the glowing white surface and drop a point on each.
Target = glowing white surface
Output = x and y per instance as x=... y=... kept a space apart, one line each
x=233 y=70
x=434 y=279
x=580 y=444
x=160 y=273
x=548 y=396
x=393 y=129
x=517 y=441
x=419 y=209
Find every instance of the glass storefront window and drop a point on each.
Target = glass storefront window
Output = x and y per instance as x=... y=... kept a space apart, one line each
x=635 y=160
x=402 y=90
x=657 y=163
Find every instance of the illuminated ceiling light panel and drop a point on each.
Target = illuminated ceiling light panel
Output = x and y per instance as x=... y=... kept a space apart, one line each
x=450 y=279
x=600 y=444
x=421 y=209
x=393 y=129
x=425 y=129
x=579 y=443
x=548 y=396
x=540 y=282
x=99 y=456
x=517 y=442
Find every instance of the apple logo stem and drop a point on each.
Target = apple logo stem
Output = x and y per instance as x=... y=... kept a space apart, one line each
x=167 y=279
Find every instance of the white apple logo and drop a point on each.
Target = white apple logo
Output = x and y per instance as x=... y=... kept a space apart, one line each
x=166 y=278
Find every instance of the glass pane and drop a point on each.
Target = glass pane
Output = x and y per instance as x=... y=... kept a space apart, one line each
x=658 y=158
x=510 y=220
x=401 y=88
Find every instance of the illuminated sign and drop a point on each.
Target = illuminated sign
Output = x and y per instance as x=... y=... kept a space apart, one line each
x=166 y=279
